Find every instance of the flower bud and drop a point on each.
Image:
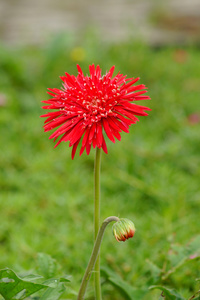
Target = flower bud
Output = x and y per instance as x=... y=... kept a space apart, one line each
x=123 y=230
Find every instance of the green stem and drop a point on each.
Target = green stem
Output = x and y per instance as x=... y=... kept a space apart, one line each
x=97 y=165
x=94 y=256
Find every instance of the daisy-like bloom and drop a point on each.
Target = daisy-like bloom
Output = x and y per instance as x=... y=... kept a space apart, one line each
x=123 y=230
x=88 y=107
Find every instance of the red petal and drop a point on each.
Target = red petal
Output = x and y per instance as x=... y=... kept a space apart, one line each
x=85 y=138
x=51 y=115
x=92 y=131
x=116 y=133
x=137 y=98
x=104 y=147
x=110 y=73
x=94 y=140
x=55 y=123
x=121 y=79
x=135 y=111
x=62 y=129
x=107 y=130
x=133 y=95
x=135 y=88
x=88 y=148
x=55 y=91
x=84 y=141
x=123 y=125
x=99 y=135
x=76 y=133
x=79 y=70
x=126 y=85
x=62 y=138
x=92 y=70
x=74 y=148
x=81 y=151
x=113 y=124
x=70 y=79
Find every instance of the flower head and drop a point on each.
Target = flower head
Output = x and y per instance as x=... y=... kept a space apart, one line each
x=87 y=107
x=123 y=230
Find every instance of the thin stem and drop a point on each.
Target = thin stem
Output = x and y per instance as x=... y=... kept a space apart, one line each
x=94 y=256
x=97 y=166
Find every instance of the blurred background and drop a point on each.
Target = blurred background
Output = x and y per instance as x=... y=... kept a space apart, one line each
x=151 y=176
x=157 y=22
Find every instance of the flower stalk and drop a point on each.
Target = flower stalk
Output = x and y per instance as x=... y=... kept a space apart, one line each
x=97 y=165
x=94 y=256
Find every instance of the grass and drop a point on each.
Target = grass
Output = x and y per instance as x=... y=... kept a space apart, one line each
x=150 y=177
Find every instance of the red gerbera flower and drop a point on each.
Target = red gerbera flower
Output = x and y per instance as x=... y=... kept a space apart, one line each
x=87 y=105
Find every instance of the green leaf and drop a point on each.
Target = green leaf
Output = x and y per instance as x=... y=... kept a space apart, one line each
x=130 y=292
x=168 y=293
x=194 y=296
x=65 y=279
x=194 y=245
x=180 y=253
x=13 y=287
x=47 y=266
x=155 y=270
x=32 y=277
x=53 y=293
x=55 y=289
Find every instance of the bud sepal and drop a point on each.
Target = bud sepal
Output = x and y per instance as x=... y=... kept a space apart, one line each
x=123 y=230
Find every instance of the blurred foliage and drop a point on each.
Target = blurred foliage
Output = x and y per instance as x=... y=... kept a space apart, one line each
x=46 y=287
x=150 y=177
